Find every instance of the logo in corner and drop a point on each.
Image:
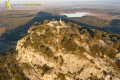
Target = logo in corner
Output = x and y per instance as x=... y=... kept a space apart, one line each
x=8 y=5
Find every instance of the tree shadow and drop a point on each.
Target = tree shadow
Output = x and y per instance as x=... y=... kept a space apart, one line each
x=115 y=26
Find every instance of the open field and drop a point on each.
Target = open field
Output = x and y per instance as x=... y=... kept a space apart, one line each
x=105 y=16
x=2 y=30
x=12 y=19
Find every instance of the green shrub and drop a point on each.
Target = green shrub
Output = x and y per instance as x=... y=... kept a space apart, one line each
x=61 y=76
x=82 y=49
x=109 y=52
x=26 y=66
x=69 y=44
x=117 y=45
x=45 y=68
x=95 y=49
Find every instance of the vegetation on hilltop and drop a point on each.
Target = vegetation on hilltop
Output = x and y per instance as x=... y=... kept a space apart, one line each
x=68 y=36
x=9 y=68
x=50 y=37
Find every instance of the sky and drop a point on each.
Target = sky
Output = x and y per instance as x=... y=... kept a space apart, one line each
x=58 y=1
x=22 y=1
x=40 y=0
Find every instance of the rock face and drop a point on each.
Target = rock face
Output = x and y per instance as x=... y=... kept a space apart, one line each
x=62 y=51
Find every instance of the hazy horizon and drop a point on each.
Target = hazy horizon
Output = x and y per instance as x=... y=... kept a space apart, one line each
x=23 y=1
x=65 y=3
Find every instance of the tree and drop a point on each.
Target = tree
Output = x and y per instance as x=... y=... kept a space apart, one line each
x=46 y=21
x=117 y=45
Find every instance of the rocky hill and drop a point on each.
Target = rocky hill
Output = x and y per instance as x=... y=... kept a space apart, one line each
x=55 y=50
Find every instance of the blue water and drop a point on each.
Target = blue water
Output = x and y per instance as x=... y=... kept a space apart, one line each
x=76 y=14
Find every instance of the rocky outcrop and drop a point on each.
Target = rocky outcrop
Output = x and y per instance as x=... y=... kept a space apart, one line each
x=60 y=56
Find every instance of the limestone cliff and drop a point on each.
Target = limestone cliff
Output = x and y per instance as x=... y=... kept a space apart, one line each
x=56 y=50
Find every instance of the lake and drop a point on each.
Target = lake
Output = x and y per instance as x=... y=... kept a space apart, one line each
x=76 y=14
